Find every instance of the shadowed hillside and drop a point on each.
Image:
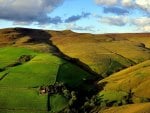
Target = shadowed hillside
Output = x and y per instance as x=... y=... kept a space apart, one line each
x=78 y=73
x=104 y=54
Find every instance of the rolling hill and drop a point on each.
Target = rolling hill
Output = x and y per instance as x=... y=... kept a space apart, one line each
x=104 y=54
x=80 y=73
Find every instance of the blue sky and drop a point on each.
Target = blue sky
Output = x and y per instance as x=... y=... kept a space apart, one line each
x=92 y=16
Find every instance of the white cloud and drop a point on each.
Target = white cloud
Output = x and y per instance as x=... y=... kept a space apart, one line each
x=135 y=4
x=141 y=21
x=145 y=29
x=144 y=4
x=73 y=26
x=27 y=10
x=142 y=24
x=127 y=3
x=115 y=20
x=106 y=2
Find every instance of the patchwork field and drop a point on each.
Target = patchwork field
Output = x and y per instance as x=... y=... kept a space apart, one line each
x=80 y=73
x=20 y=82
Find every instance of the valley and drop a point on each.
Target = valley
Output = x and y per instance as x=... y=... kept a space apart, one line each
x=89 y=73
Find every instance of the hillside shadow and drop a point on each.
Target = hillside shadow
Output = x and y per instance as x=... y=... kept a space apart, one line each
x=36 y=36
x=101 y=86
x=48 y=103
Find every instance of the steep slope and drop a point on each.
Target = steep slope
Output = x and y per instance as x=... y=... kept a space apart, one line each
x=107 y=54
x=34 y=39
x=24 y=71
x=104 y=54
x=85 y=72
x=133 y=81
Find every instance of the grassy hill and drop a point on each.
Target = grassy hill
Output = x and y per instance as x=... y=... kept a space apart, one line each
x=122 y=57
x=83 y=72
x=127 y=86
x=133 y=108
x=104 y=54
x=20 y=80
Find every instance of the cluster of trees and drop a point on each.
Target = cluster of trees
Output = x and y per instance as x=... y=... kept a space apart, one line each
x=53 y=89
x=89 y=104
x=60 y=88
x=56 y=88
x=22 y=59
x=72 y=97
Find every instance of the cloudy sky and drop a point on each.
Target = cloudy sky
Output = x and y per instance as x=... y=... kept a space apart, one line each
x=93 y=16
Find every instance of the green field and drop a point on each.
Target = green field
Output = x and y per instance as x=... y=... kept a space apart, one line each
x=85 y=73
x=20 y=84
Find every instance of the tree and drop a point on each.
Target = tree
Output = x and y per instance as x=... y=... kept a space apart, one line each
x=66 y=93
x=73 y=98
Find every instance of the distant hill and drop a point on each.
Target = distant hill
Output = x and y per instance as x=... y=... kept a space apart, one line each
x=80 y=72
x=104 y=54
